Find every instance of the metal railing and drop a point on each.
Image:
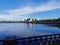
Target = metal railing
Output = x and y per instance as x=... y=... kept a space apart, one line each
x=52 y=39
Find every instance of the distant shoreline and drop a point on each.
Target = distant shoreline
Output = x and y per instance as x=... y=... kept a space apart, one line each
x=35 y=21
x=31 y=22
x=50 y=24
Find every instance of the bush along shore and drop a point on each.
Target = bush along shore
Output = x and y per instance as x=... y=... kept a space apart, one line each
x=55 y=22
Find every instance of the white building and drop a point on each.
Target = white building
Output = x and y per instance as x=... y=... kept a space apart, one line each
x=29 y=20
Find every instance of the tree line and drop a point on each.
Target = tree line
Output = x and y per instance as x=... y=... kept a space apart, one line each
x=48 y=21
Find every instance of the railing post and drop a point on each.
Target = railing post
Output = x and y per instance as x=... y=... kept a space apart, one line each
x=10 y=41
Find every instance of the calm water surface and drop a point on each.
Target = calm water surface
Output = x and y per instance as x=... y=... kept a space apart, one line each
x=26 y=30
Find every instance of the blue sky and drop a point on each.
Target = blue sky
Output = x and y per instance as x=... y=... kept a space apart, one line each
x=21 y=9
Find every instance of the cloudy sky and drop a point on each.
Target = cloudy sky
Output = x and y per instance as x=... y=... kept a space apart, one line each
x=21 y=9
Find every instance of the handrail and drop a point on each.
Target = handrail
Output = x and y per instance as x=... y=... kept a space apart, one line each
x=43 y=39
x=38 y=36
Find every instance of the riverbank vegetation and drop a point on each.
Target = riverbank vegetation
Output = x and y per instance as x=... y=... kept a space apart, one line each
x=11 y=21
x=54 y=22
x=50 y=21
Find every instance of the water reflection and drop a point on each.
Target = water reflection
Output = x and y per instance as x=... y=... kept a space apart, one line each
x=30 y=25
x=55 y=25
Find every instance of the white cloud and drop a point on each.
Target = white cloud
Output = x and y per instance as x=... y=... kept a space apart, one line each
x=12 y=17
x=21 y=13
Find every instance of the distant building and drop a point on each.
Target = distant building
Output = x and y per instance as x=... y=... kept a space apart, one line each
x=29 y=20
